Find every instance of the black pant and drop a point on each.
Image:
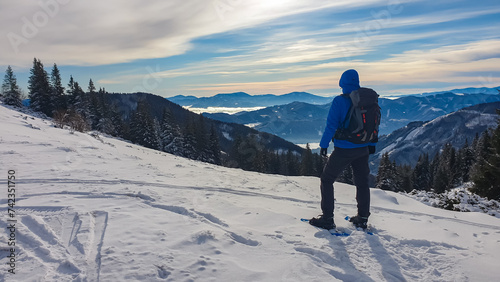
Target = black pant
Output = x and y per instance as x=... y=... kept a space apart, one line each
x=338 y=161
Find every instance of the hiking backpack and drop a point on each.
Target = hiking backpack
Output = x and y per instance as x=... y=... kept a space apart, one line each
x=363 y=118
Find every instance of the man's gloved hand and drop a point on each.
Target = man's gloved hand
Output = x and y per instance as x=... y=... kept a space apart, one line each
x=324 y=152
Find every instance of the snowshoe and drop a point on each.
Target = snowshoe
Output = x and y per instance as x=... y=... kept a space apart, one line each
x=323 y=222
x=359 y=221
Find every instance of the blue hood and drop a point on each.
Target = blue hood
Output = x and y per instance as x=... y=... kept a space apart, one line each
x=349 y=81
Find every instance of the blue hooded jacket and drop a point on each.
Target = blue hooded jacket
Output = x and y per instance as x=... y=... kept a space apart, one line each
x=349 y=81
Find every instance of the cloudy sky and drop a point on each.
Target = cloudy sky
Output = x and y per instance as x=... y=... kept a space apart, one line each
x=205 y=47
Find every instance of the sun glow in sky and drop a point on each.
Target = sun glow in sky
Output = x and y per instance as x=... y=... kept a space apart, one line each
x=206 y=47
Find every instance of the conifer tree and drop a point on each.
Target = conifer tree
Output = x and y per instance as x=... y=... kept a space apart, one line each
x=474 y=145
x=99 y=111
x=307 y=165
x=441 y=180
x=293 y=164
x=451 y=165
x=169 y=132
x=81 y=102
x=117 y=126
x=483 y=147
x=157 y=134
x=96 y=107
x=386 y=174
x=404 y=181
x=447 y=169
x=190 y=145
x=214 y=146
x=39 y=89
x=176 y=139
x=248 y=150
x=71 y=93
x=110 y=123
x=142 y=127
x=202 y=140
x=274 y=163
x=433 y=168
x=91 y=88
x=260 y=161
x=421 y=177
x=235 y=155
x=10 y=90
x=467 y=161
x=58 y=98
x=200 y=134
x=396 y=177
x=283 y=163
x=486 y=175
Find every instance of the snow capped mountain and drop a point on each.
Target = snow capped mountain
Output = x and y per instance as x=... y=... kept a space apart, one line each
x=406 y=144
x=398 y=113
x=470 y=90
x=93 y=208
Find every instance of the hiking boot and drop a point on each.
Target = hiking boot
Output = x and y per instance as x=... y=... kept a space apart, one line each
x=359 y=221
x=322 y=222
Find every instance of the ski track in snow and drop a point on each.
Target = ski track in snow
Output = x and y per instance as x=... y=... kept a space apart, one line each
x=154 y=184
x=71 y=252
x=211 y=189
x=105 y=210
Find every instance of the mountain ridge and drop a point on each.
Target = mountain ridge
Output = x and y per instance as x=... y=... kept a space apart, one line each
x=469 y=90
x=303 y=123
x=266 y=100
x=242 y=99
x=407 y=143
x=127 y=103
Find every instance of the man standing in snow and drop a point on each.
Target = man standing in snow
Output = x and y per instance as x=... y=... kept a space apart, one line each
x=345 y=153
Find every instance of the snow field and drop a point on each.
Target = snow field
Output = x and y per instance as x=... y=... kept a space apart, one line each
x=93 y=208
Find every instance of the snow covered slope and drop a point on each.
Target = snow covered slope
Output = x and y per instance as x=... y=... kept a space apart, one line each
x=96 y=208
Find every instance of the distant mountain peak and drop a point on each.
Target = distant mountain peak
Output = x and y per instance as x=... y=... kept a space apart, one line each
x=297 y=93
x=469 y=90
x=182 y=96
x=242 y=99
x=235 y=94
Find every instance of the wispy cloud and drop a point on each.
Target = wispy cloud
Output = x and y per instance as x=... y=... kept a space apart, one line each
x=450 y=64
x=116 y=31
x=203 y=47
